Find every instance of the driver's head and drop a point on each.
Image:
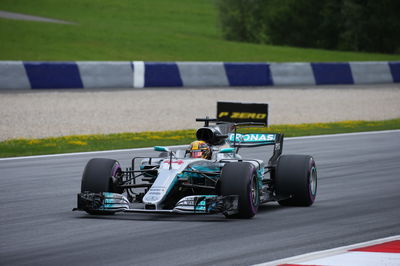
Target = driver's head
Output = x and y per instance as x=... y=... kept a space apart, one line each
x=199 y=149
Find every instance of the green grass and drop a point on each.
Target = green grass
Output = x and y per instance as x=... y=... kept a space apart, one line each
x=24 y=147
x=149 y=30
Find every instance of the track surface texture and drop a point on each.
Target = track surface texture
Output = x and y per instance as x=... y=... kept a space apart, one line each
x=358 y=200
x=44 y=113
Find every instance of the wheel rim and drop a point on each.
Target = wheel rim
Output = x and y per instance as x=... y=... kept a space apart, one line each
x=254 y=192
x=313 y=181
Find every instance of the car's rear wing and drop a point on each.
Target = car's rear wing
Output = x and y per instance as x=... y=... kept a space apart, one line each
x=249 y=140
x=252 y=139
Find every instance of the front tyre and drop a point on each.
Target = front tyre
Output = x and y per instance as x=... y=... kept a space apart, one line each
x=240 y=178
x=296 y=180
x=100 y=176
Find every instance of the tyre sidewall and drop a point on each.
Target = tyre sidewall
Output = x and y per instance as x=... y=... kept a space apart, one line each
x=238 y=179
x=293 y=179
x=312 y=167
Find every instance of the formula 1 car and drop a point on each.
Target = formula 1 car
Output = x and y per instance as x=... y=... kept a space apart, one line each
x=175 y=182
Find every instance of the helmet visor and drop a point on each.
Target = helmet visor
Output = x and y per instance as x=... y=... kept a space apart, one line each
x=196 y=154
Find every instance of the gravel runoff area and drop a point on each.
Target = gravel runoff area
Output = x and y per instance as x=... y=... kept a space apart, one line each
x=44 y=113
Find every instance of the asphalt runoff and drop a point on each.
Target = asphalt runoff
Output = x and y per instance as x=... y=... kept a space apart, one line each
x=357 y=201
x=47 y=113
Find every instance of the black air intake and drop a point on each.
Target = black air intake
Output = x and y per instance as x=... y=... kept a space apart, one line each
x=210 y=135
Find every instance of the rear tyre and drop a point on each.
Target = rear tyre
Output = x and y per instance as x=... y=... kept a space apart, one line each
x=98 y=177
x=296 y=180
x=240 y=178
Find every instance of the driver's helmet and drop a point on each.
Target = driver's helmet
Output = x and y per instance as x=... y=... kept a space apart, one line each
x=199 y=149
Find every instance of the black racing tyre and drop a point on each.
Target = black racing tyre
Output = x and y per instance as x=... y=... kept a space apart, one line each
x=240 y=178
x=296 y=180
x=97 y=177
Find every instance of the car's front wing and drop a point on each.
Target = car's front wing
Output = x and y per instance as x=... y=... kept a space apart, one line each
x=106 y=202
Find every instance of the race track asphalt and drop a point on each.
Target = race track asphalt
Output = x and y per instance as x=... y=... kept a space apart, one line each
x=358 y=200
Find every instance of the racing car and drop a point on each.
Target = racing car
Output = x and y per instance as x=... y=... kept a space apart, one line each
x=208 y=177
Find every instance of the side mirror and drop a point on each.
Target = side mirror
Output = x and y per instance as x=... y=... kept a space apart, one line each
x=227 y=150
x=160 y=148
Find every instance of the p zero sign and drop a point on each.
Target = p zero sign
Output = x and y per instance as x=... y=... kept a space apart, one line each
x=242 y=112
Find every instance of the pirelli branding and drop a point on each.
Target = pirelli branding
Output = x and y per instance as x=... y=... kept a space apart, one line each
x=242 y=112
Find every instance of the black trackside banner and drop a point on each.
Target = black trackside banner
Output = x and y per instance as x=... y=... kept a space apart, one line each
x=242 y=112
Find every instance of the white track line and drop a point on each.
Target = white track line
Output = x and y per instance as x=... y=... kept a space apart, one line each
x=179 y=146
x=326 y=253
x=345 y=134
x=82 y=153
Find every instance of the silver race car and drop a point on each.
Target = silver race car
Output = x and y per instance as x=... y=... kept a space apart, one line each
x=208 y=177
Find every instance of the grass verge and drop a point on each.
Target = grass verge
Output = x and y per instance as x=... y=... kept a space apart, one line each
x=156 y=30
x=82 y=143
